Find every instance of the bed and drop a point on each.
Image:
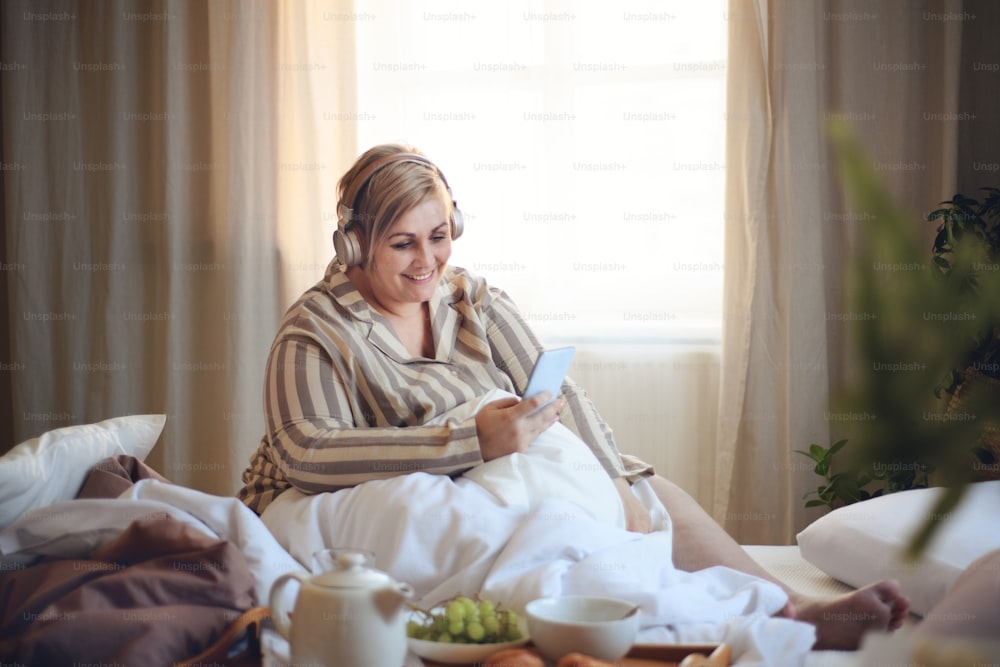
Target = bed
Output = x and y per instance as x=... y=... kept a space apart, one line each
x=81 y=499
x=787 y=564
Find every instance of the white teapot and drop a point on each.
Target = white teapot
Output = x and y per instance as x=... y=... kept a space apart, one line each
x=350 y=616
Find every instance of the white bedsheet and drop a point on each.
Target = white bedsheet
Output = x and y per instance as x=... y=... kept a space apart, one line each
x=445 y=537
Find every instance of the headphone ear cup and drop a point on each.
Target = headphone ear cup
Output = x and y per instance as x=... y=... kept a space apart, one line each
x=457 y=223
x=348 y=246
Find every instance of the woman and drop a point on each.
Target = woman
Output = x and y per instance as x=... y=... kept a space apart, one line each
x=393 y=337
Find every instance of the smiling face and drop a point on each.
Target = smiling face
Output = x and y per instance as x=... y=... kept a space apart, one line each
x=407 y=264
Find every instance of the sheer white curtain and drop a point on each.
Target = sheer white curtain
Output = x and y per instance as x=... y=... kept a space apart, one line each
x=584 y=142
x=893 y=70
x=155 y=223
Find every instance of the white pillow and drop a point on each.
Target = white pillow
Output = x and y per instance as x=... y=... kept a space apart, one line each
x=864 y=542
x=52 y=467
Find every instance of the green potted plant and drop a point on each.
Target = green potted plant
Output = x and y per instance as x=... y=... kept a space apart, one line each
x=968 y=221
x=846 y=485
x=929 y=336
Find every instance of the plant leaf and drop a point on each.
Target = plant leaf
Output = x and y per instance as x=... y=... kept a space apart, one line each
x=946 y=502
x=836 y=447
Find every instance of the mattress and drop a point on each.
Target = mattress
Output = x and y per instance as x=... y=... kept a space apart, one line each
x=787 y=565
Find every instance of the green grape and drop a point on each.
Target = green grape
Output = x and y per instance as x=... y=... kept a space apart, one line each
x=470 y=606
x=455 y=610
x=509 y=623
x=415 y=630
x=475 y=631
x=463 y=620
x=491 y=625
x=486 y=608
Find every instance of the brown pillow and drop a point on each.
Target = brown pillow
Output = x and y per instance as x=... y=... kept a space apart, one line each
x=113 y=476
x=160 y=593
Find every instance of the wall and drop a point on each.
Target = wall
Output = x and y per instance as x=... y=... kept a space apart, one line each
x=660 y=399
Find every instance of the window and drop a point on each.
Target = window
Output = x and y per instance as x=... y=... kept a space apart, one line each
x=583 y=141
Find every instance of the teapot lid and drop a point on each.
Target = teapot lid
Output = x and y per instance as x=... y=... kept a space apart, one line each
x=352 y=573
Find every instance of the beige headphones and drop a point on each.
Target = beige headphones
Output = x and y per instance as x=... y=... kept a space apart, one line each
x=347 y=241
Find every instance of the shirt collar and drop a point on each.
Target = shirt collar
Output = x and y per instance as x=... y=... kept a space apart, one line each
x=445 y=317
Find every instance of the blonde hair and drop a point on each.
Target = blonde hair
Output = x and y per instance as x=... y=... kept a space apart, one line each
x=389 y=194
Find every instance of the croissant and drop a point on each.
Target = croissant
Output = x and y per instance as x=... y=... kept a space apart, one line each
x=515 y=657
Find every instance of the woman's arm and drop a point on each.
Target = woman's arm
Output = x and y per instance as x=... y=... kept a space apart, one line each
x=516 y=347
x=320 y=424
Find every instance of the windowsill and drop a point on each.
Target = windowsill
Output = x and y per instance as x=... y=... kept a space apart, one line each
x=687 y=332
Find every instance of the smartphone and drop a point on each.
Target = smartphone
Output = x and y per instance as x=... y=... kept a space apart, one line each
x=549 y=372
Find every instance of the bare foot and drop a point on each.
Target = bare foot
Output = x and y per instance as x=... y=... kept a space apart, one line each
x=842 y=621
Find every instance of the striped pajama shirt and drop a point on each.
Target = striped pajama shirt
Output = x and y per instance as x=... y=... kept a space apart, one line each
x=344 y=402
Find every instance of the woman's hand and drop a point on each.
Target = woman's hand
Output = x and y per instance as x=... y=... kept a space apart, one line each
x=509 y=425
x=637 y=517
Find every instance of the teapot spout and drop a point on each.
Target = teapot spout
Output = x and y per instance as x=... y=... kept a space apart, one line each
x=390 y=600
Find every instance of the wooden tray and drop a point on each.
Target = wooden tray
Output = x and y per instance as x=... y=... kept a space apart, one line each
x=680 y=655
x=664 y=655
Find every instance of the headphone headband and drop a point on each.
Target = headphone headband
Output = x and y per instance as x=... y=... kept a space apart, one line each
x=347 y=241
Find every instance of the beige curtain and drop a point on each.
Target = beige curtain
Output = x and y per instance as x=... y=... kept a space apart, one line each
x=895 y=70
x=165 y=208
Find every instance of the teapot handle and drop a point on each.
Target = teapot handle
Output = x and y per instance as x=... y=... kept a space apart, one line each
x=279 y=609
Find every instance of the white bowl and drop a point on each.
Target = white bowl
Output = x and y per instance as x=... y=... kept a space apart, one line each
x=458 y=654
x=594 y=626
x=461 y=654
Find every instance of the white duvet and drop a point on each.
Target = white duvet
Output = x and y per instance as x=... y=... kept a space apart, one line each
x=527 y=528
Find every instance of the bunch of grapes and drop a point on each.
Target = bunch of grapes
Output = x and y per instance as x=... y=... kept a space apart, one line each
x=464 y=621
